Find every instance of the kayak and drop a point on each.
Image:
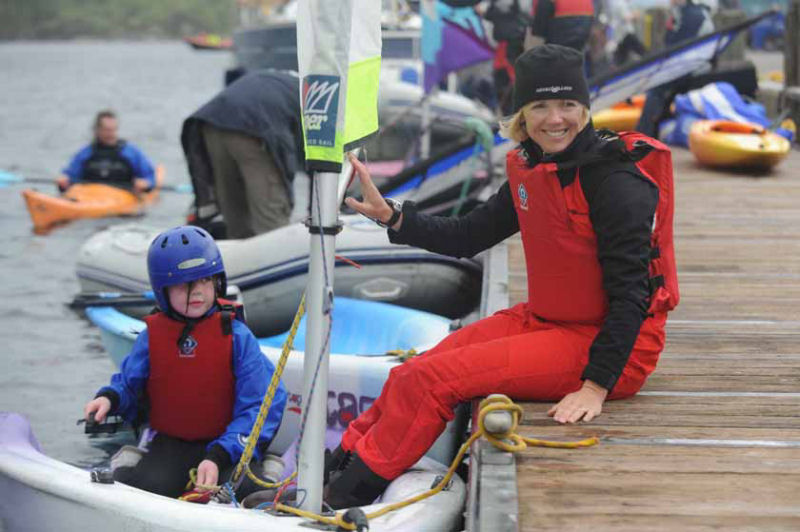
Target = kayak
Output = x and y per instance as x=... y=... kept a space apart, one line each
x=622 y=116
x=726 y=144
x=209 y=41
x=86 y=200
x=361 y=334
x=271 y=271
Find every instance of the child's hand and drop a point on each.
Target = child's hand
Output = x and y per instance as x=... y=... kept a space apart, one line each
x=100 y=406
x=586 y=404
x=207 y=473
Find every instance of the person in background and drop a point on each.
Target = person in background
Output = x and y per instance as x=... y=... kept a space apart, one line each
x=563 y=22
x=595 y=217
x=200 y=368
x=243 y=148
x=109 y=160
x=626 y=43
x=509 y=24
x=689 y=19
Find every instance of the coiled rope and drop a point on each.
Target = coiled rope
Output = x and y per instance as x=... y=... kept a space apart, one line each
x=498 y=439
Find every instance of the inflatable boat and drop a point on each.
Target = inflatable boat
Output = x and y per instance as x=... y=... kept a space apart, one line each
x=726 y=144
x=270 y=271
x=86 y=200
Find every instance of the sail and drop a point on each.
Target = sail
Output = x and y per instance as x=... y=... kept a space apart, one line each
x=665 y=66
x=339 y=59
x=452 y=39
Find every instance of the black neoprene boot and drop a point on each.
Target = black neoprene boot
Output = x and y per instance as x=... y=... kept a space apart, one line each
x=335 y=461
x=356 y=485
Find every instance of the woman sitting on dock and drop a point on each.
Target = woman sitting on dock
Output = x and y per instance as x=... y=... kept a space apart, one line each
x=595 y=216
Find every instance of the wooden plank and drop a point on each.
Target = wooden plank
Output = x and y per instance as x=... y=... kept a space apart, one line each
x=716 y=446
x=615 y=459
x=661 y=496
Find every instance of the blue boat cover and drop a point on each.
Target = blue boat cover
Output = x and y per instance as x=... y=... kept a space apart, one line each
x=715 y=101
x=372 y=328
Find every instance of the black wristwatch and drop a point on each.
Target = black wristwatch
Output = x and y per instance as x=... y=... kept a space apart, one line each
x=397 y=210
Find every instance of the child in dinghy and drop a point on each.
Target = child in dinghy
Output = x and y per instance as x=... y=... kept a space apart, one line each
x=201 y=369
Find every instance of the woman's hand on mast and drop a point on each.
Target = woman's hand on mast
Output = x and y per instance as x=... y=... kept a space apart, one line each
x=373 y=205
x=585 y=404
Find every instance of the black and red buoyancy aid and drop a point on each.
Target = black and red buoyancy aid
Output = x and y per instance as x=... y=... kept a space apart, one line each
x=565 y=280
x=191 y=385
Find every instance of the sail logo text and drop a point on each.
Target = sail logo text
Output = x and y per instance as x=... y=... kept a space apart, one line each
x=317 y=103
x=320 y=109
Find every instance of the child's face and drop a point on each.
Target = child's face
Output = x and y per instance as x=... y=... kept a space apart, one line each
x=192 y=304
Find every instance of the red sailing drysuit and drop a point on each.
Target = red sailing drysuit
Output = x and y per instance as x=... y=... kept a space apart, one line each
x=541 y=349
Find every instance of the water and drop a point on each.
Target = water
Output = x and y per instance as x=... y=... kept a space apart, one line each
x=52 y=360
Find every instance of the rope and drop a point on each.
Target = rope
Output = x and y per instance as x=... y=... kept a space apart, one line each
x=484 y=139
x=488 y=405
x=244 y=461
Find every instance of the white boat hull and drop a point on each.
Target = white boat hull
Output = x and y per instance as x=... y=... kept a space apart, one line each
x=40 y=493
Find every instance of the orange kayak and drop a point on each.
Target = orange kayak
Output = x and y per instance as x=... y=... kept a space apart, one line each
x=86 y=200
x=722 y=143
x=622 y=116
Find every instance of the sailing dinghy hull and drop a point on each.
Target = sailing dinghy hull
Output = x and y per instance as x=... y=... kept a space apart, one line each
x=41 y=493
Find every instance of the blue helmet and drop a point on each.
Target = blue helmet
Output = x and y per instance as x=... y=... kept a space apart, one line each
x=182 y=255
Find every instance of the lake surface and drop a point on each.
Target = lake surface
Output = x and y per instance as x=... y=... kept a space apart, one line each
x=52 y=361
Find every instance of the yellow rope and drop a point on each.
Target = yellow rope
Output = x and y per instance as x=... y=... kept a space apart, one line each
x=518 y=443
x=403 y=354
x=193 y=482
x=252 y=438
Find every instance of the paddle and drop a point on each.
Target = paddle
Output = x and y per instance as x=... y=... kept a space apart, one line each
x=9 y=178
x=112 y=299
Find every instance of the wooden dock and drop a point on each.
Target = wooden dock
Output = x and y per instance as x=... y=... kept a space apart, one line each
x=713 y=440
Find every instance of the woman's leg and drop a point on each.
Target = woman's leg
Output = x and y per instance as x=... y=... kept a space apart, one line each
x=505 y=323
x=419 y=398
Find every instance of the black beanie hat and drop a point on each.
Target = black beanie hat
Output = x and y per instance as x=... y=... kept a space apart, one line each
x=550 y=72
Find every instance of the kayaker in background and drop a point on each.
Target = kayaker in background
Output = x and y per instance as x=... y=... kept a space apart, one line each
x=243 y=149
x=595 y=215
x=201 y=369
x=109 y=160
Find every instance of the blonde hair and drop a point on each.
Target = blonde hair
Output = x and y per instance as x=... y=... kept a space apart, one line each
x=513 y=127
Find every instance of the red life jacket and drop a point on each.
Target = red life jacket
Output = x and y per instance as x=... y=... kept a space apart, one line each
x=565 y=281
x=191 y=387
x=573 y=8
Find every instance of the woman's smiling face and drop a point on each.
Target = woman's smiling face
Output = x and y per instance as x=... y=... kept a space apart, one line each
x=553 y=124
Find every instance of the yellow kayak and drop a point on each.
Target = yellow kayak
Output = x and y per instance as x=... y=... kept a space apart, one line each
x=722 y=143
x=86 y=200
x=622 y=116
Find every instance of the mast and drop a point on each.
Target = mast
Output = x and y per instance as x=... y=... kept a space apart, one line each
x=337 y=115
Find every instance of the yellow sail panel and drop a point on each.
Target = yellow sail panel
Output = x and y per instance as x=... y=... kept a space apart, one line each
x=339 y=61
